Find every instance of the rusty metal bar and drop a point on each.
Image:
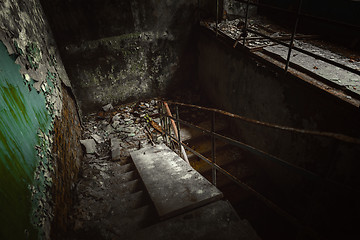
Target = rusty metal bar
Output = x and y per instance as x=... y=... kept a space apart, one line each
x=213 y=148
x=162 y=124
x=337 y=136
x=249 y=148
x=176 y=131
x=308 y=53
x=168 y=128
x=178 y=127
x=356 y=27
x=268 y=156
x=258 y=195
x=293 y=35
x=244 y=32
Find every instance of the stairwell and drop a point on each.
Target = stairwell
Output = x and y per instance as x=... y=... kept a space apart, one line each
x=113 y=198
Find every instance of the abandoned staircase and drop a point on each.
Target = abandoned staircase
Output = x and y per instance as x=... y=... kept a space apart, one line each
x=154 y=194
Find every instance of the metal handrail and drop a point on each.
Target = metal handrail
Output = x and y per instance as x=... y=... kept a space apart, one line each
x=215 y=166
x=347 y=68
x=259 y=152
x=336 y=136
x=290 y=46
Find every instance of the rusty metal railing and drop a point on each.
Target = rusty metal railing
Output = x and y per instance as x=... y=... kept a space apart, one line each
x=165 y=122
x=298 y=13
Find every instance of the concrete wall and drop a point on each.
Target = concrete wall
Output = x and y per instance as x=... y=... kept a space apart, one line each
x=34 y=101
x=240 y=84
x=117 y=51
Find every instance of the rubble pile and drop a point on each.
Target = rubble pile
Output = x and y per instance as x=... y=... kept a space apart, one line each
x=233 y=29
x=312 y=43
x=108 y=138
x=120 y=129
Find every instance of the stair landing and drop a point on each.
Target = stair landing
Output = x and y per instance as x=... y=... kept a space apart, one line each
x=218 y=220
x=173 y=185
x=191 y=205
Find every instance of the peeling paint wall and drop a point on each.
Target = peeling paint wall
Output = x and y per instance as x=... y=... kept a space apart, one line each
x=118 y=51
x=31 y=102
x=67 y=155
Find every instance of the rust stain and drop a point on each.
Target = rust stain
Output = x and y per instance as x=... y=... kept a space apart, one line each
x=67 y=158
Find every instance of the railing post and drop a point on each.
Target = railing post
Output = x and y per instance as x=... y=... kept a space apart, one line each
x=213 y=148
x=162 y=122
x=293 y=36
x=165 y=124
x=178 y=128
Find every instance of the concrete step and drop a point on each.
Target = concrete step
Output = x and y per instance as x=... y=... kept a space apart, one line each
x=124 y=202
x=187 y=133
x=121 y=169
x=217 y=220
x=235 y=170
x=126 y=176
x=235 y=194
x=224 y=155
x=202 y=145
x=173 y=185
x=124 y=188
x=126 y=223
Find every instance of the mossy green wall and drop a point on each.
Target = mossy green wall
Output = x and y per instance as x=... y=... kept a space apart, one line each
x=23 y=116
x=32 y=85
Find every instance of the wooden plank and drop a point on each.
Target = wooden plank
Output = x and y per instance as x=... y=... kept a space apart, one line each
x=173 y=185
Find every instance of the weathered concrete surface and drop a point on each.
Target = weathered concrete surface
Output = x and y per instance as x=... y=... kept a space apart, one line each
x=235 y=8
x=173 y=185
x=115 y=149
x=119 y=51
x=240 y=84
x=335 y=74
x=217 y=220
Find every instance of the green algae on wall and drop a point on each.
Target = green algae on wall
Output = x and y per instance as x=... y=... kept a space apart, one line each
x=23 y=121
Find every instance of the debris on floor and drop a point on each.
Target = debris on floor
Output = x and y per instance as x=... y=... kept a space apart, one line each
x=109 y=192
x=339 y=76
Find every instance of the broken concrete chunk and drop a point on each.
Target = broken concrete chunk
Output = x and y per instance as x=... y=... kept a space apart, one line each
x=116 y=118
x=37 y=86
x=108 y=107
x=115 y=149
x=115 y=124
x=130 y=129
x=97 y=138
x=129 y=122
x=27 y=77
x=109 y=129
x=90 y=145
x=120 y=128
